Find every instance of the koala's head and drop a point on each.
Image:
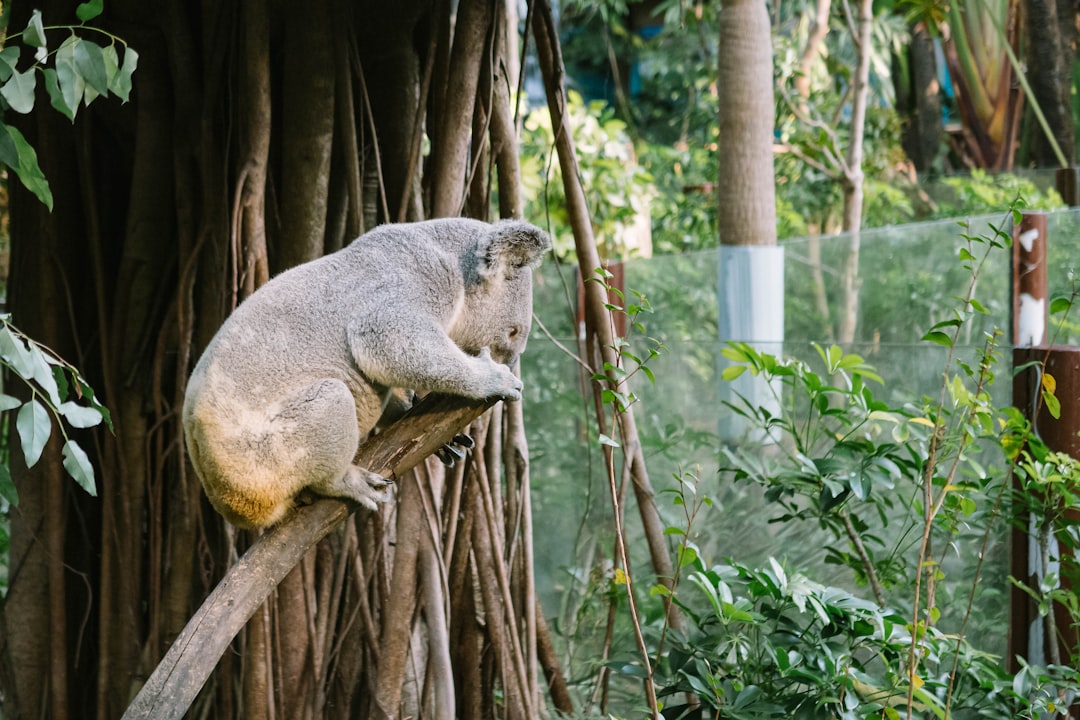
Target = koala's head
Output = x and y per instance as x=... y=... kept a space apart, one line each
x=498 y=296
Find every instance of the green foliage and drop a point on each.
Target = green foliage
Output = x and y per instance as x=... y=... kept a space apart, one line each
x=833 y=454
x=772 y=643
x=75 y=72
x=58 y=393
x=898 y=489
x=982 y=192
x=618 y=190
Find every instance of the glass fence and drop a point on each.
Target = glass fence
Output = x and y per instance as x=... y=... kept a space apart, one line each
x=909 y=278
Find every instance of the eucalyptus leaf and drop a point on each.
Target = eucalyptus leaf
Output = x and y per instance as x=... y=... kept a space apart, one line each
x=90 y=63
x=79 y=467
x=35 y=427
x=25 y=163
x=72 y=83
x=8 y=403
x=14 y=351
x=34 y=34
x=19 y=91
x=56 y=95
x=123 y=80
x=79 y=416
x=9 y=60
x=43 y=375
x=89 y=10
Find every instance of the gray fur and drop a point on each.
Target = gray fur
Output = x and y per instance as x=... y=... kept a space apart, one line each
x=305 y=367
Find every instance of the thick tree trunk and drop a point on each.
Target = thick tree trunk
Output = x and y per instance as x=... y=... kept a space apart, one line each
x=1051 y=49
x=747 y=201
x=923 y=132
x=258 y=135
x=308 y=121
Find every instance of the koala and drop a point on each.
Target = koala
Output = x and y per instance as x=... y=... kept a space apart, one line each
x=307 y=365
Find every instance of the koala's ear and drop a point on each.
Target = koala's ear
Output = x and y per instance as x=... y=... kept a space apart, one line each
x=511 y=245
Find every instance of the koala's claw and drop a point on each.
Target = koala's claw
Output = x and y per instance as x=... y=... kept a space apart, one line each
x=378 y=490
x=454 y=451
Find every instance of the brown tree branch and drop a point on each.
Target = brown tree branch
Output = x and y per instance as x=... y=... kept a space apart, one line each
x=597 y=319
x=181 y=674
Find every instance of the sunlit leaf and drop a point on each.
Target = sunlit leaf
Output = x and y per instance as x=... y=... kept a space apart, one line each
x=78 y=466
x=35 y=427
x=1049 y=383
x=732 y=371
x=605 y=440
x=79 y=416
x=1053 y=405
x=14 y=351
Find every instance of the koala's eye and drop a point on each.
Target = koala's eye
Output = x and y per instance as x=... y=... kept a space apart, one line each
x=514 y=332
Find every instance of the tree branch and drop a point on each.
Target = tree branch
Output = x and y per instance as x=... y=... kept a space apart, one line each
x=176 y=681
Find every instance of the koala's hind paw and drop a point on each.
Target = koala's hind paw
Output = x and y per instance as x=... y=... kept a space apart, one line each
x=366 y=488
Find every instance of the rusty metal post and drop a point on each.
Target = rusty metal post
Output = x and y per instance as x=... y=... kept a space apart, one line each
x=1029 y=286
x=1027 y=636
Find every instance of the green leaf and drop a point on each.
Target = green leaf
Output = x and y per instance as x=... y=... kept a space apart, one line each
x=19 y=91
x=1059 y=305
x=56 y=95
x=43 y=375
x=605 y=440
x=72 y=83
x=936 y=336
x=15 y=353
x=123 y=82
x=18 y=155
x=78 y=466
x=89 y=10
x=731 y=372
x=34 y=34
x=9 y=59
x=8 y=403
x=79 y=416
x=35 y=427
x=90 y=62
x=1053 y=405
x=7 y=487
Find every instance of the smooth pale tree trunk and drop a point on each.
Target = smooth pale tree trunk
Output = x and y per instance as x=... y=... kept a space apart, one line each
x=751 y=266
x=746 y=212
x=853 y=176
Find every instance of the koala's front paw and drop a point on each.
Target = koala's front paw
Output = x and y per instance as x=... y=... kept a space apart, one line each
x=498 y=380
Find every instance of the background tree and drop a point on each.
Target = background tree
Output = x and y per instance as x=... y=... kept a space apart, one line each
x=261 y=135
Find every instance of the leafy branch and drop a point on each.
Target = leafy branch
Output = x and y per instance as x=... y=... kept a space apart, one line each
x=75 y=73
x=58 y=392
